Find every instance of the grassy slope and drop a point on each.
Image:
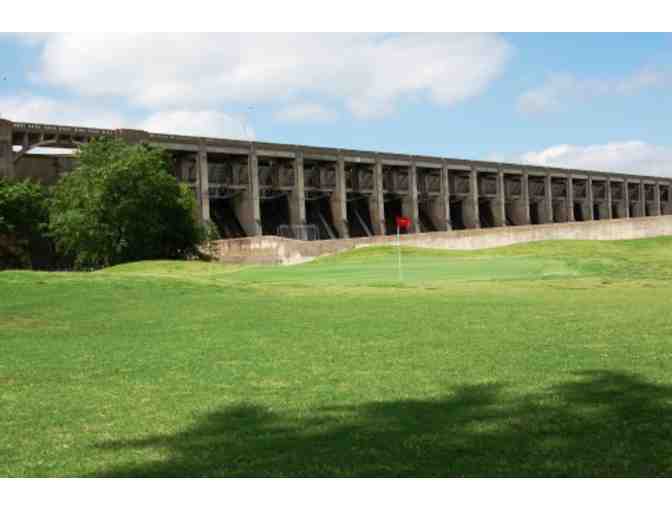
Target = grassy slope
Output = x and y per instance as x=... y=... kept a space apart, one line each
x=541 y=359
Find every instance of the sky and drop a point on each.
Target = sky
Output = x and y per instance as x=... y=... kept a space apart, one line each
x=593 y=101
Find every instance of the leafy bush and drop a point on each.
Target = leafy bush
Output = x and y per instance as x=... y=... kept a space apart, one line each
x=121 y=204
x=23 y=220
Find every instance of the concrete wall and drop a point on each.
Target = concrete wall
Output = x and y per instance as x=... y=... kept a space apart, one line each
x=278 y=250
x=43 y=168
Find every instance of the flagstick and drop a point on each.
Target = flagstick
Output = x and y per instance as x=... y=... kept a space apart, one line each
x=401 y=276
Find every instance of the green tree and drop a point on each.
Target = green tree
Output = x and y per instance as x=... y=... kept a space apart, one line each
x=23 y=220
x=121 y=204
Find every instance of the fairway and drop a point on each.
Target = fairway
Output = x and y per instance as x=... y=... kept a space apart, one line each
x=545 y=359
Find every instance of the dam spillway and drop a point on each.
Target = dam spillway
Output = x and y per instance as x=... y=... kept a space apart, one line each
x=251 y=188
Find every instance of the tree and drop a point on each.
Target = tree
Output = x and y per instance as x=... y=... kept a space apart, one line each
x=23 y=220
x=121 y=204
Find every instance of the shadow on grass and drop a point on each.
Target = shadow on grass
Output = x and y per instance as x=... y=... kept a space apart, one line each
x=603 y=424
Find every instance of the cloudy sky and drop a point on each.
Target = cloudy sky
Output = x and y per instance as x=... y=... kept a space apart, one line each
x=596 y=101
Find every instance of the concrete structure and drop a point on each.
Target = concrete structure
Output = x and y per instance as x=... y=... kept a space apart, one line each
x=253 y=188
x=280 y=250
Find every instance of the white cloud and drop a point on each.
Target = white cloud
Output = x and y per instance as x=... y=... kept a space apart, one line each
x=198 y=123
x=367 y=73
x=634 y=157
x=560 y=89
x=44 y=110
x=302 y=112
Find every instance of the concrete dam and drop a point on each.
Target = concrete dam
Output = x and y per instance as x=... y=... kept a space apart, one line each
x=252 y=189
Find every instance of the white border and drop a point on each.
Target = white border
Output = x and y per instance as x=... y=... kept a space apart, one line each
x=277 y=494
x=338 y=15
x=342 y=15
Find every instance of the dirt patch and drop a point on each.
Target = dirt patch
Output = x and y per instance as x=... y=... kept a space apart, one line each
x=23 y=323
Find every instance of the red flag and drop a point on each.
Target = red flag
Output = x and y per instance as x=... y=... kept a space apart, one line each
x=403 y=222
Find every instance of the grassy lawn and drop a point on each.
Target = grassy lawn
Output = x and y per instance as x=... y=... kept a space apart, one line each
x=546 y=359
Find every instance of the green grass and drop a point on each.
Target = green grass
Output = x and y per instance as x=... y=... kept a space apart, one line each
x=546 y=359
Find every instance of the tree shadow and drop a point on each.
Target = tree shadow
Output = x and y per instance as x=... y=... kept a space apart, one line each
x=603 y=424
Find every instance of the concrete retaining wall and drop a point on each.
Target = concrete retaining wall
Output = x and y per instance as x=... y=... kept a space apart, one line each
x=279 y=250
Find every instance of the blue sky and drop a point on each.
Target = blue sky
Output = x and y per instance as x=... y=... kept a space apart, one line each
x=599 y=101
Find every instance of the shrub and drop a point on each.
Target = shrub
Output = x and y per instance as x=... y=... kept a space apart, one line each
x=121 y=204
x=23 y=221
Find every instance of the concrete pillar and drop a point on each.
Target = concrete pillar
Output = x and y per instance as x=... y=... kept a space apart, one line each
x=642 y=199
x=626 y=198
x=6 y=150
x=500 y=201
x=203 y=184
x=620 y=206
x=339 y=202
x=409 y=203
x=297 y=197
x=589 y=209
x=526 y=196
x=570 y=198
x=520 y=209
x=665 y=207
x=376 y=200
x=656 y=200
x=610 y=206
x=247 y=204
x=444 y=203
x=547 y=206
x=438 y=208
x=470 y=210
x=560 y=211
